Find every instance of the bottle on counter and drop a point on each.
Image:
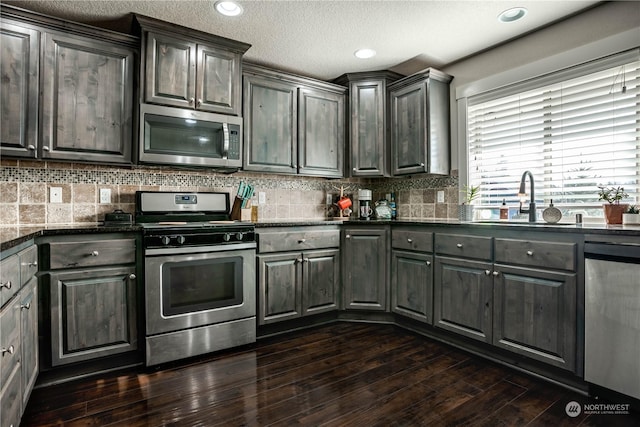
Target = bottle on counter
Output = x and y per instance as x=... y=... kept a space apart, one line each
x=504 y=210
x=392 y=205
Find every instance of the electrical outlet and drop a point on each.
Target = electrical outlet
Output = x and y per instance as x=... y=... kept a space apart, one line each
x=262 y=198
x=440 y=196
x=105 y=195
x=55 y=194
x=329 y=199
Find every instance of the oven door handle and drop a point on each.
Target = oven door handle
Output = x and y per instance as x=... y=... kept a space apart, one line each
x=200 y=249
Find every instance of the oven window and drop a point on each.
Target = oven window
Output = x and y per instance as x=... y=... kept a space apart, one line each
x=171 y=135
x=191 y=286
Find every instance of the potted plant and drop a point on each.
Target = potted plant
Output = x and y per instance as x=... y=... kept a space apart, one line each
x=631 y=216
x=470 y=193
x=613 y=210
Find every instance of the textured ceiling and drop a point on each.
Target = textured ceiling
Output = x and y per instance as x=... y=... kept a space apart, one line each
x=318 y=38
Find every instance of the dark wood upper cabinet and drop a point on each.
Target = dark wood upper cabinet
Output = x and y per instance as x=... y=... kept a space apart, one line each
x=369 y=151
x=420 y=123
x=190 y=69
x=19 y=68
x=292 y=125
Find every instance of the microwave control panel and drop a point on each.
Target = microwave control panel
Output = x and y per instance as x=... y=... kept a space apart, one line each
x=234 y=144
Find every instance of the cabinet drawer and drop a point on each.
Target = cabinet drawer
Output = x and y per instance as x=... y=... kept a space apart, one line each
x=297 y=240
x=91 y=253
x=421 y=241
x=478 y=247
x=561 y=256
x=9 y=278
x=28 y=263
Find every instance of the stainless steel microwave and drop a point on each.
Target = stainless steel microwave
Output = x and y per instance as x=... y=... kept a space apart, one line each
x=182 y=137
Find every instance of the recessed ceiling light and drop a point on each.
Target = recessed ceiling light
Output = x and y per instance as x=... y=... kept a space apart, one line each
x=365 y=53
x=513 y=14
x=228 y=8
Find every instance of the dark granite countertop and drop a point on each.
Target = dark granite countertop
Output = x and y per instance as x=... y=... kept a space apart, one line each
x=13 y=236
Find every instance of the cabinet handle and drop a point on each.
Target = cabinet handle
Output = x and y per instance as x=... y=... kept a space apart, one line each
x=530 y=253
x=487 y=272
x=132 y=276
x=191 y=101
x=31 y=264
x=26 y=306
x=355 y=169
x=302 y=240
x=459 y=245
x=6 y=285
x=421 y=165
x=45 y=148
x=299 y=260
x=199 y=102
x=9 y=350
x=409 y=240
x=428 y=262
x=348 y=236
x=95 y=253
x=31 y=147
x=496 y=273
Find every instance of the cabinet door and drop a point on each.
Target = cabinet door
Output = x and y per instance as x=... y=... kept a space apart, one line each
x=10 y=399
x=408 y=129
x=218 y=81
x=87 y=100
x=321 y=133
x=29 y=333
x=170 y=74
x=365 y=260
x=270 y=112
x=321 y=278
x=369 y=150
x=463 y=295
x=279 y=278
x=93 y=314
x=535 y=314
x=412 y=285
x=19 y=68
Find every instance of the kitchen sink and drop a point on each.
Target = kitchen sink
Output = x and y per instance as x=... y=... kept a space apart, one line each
x=536 y=224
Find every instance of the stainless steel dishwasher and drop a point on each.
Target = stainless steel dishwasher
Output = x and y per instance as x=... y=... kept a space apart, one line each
x=612 y=313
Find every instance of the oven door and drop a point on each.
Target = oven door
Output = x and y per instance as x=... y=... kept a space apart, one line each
x=191 y=287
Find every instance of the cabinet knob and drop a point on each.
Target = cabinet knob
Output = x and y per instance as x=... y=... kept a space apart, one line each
x=31 y=147
x=45 y=148
x=409 y=240
x=132 y=276
x=421 y=165
x=95 y=253
x=11 y=349
x=348 y=236
x=302 y=240
x=301 y=167
x=496 y=273
x=428 y=262
x=355 y=169
x=530 y=253
x=199 y=102
x=26 y=306
x=191 y=101
x=6 y=285
x=305 y=259
x=31 y=264
x=459 y=245
x=299 y=260
x=487 y=272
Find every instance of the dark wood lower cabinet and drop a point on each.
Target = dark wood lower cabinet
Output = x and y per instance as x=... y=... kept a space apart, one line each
x=412 y=285
x=535 y=314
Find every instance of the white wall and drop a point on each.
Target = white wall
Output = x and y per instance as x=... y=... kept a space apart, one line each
x=609 y=28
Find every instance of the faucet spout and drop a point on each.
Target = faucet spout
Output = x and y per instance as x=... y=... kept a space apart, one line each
x=532 y=204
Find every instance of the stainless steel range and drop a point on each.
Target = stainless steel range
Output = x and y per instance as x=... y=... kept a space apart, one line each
x=199 y=268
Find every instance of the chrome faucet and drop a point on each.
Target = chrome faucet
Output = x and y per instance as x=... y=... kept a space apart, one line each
x=532 y=204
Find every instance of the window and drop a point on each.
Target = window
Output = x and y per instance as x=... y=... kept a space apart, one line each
x=574 y=130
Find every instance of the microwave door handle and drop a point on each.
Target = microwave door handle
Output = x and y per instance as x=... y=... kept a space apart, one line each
x=225 y=146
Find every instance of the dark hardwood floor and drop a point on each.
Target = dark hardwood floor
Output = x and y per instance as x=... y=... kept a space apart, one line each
x=345 y=374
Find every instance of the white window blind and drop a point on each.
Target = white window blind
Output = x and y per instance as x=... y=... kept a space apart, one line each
x=573 y=135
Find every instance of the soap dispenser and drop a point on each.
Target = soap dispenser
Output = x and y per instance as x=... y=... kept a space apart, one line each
x=504 y=210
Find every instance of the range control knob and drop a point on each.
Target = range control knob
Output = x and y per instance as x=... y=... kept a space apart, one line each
x=165 y=240
x=226 y=237
x=180 y=240
x=239 y=236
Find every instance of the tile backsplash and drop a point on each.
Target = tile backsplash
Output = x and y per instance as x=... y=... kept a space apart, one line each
x=25 y=188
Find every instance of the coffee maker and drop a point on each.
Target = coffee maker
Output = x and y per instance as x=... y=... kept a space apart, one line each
x=364 y=199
